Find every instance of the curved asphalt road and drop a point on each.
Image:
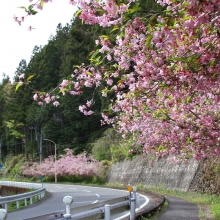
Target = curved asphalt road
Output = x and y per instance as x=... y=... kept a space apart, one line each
x=82 y=195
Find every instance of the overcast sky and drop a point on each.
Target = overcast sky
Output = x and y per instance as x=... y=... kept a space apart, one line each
x=16 y=42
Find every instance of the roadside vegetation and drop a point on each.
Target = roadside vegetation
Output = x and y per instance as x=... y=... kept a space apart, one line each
x=209 y=205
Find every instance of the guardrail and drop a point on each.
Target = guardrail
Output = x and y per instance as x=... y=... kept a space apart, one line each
x=103 y=210
x=89 y=212
x=39 y=192
x=100 y=210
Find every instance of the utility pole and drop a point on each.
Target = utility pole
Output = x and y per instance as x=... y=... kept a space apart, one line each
x=40 y=145
x=0 y=148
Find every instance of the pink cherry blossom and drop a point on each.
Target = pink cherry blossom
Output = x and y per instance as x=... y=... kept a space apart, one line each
x=35 y=97
x=48 y=100
x=89 y=103
x=64 y=83
x=56 y=103
x=72 y=2
x=66 y=165
x=164 y=73
x=21 y=76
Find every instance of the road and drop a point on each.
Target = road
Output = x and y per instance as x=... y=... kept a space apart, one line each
x=82 y=195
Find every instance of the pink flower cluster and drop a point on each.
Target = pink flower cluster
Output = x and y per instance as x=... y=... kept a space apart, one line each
x=68 y=165
x=164 y=73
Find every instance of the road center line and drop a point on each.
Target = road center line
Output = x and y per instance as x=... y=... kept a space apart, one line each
x=98 y=195
x=87 y=191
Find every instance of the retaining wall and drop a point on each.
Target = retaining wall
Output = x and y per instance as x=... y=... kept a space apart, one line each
x=185 y=176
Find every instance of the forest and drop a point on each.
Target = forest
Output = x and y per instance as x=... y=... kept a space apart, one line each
x=24 y=124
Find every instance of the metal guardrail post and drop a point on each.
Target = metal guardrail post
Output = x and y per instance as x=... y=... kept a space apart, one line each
x=17 y=204
x=137 y=200
x=107 y=212
x=134 y=194
x=6 y=206
x=132 y=209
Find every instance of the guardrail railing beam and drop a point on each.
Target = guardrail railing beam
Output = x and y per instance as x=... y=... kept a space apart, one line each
x=39 y=192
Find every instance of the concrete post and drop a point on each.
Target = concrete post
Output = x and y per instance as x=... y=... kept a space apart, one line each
x=3 y=214
x=25 y=202
x=132 y=209
x=31 y=200
x=107 y=212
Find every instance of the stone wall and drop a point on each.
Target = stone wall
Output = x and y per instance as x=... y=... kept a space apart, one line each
x=186 y=176
x=207 y=178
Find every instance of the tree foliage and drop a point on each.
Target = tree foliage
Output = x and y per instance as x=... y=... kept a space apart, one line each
x=157 y=70
x=65 y=125
x=160 y=66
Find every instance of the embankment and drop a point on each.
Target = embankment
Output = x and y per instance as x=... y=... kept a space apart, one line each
x=190 y=175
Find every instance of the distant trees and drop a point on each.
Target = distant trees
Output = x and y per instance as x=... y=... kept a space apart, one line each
x=24 y=124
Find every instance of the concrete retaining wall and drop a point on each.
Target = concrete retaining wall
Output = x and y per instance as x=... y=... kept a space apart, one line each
x=162 y=173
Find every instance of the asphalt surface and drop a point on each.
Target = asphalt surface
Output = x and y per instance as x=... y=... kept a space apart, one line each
x=179 y=209
x=82 y=195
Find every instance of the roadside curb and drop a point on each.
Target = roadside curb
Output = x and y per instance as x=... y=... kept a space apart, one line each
x=155 y=204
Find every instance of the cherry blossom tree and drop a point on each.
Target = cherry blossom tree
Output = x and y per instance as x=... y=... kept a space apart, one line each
x=66 y=165
x=163 y=67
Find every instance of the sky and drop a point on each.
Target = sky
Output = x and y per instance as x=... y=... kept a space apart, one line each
x=17 y=42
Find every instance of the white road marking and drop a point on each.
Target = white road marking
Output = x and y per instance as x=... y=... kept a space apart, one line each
x=87 y=191
x=95 y=201
x=146 y=202
x=98 y=195
x=72 y=188
x=59 y=187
